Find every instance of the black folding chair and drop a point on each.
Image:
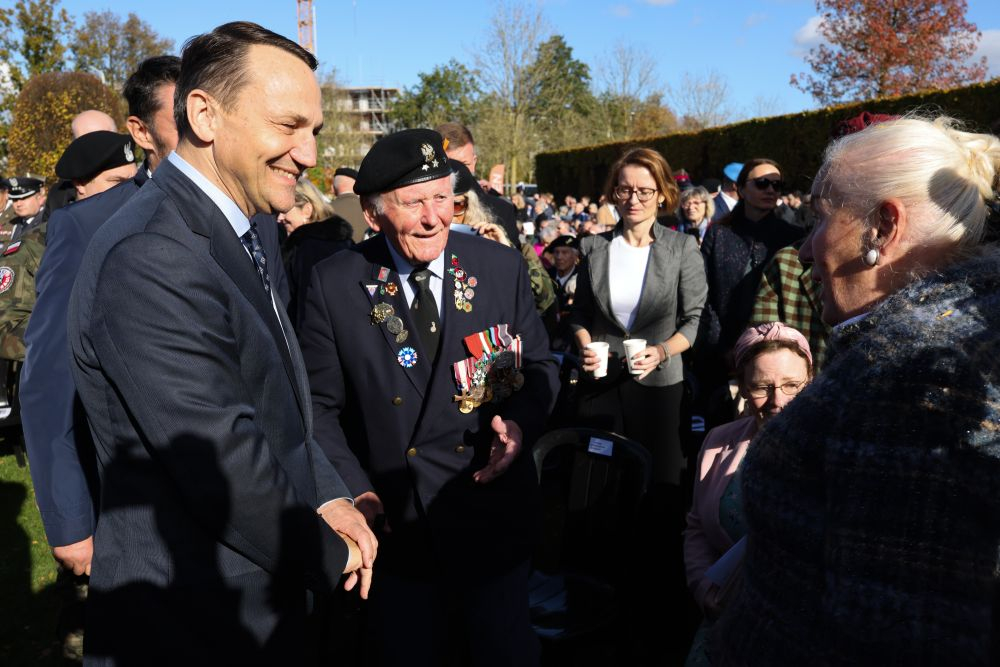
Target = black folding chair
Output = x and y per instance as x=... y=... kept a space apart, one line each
x=592 y=483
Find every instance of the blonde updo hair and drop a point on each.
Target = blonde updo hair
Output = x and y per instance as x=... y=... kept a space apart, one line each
x=307 y=193
x=942 y=174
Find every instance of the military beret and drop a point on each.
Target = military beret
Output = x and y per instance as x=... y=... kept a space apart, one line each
x=401 y=159
x=346 y=171
x=465 y=181
x=24 y=186
x=93 y=153
x=564 y=241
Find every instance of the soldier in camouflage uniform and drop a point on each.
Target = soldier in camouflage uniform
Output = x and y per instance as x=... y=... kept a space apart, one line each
x=6 y=212
x=19 y=261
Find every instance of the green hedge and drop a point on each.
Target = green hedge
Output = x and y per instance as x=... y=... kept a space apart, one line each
x=796 y=141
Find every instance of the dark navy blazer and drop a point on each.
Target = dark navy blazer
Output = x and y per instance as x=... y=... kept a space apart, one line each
x=397 y=430
x=56 y=435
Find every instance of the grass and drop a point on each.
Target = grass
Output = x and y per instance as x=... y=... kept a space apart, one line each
x=30 y=600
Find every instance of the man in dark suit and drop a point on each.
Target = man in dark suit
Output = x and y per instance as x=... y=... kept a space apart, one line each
x=218 y=511
x=55 y=432
x=392 y=332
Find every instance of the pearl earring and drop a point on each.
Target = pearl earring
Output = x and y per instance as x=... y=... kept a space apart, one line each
x=871 y=257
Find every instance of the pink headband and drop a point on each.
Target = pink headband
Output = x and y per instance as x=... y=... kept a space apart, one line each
x=769 y=331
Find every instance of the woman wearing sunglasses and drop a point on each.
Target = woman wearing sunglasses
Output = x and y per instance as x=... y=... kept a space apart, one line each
x=773 y=364
x=736 y=249
x=645 y=281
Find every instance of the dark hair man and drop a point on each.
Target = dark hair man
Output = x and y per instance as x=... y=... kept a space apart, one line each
x=218 y=510
x=57 y=437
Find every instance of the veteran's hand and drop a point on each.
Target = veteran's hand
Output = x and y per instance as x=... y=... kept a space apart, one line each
x=354 y=570
x=370 y=505
x=343 y=517
x=505 y=448
x=76 y=556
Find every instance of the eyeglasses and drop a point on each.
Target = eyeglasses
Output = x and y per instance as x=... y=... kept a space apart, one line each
x=460 y=205
x=625 y=194
x=788 y=389
x=762 y=183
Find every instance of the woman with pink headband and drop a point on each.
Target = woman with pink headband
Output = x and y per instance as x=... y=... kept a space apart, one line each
x=773 y=364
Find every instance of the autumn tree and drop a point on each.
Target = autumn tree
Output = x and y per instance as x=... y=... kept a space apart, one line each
x=340 y=141
x=105 y=43
x=448 y=93
x=876 y=48
x=43 y=112
x=703 y=100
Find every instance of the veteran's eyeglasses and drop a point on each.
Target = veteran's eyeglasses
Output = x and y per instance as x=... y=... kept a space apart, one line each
x=788 y=389
x=625 y=194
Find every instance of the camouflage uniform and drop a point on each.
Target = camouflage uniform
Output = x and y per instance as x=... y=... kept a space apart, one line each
x=6 y=229
x=19 y=261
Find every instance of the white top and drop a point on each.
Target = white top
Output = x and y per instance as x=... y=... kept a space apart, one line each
x=435 y=284
x=626 y=275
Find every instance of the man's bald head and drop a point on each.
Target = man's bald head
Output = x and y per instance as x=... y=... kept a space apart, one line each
x=92 y=120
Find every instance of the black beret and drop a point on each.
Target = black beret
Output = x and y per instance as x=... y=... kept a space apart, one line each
x=465 y=181
x=346 y=171
x=564 y=241
x=401 y=159
x=93 y=153
x=24 y=186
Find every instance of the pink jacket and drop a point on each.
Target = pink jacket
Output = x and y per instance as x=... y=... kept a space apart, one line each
x=704 y=539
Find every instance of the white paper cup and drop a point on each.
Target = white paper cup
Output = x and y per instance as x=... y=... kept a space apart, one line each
x=602 y=357
x=633 y=346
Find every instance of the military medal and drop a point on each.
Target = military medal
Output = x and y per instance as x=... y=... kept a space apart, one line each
x=463 y=286
x=383 y=274
x=407 y=357
x=394 y=324
x=402 y=336
x=492 y=373
x=391 y=289
x=371 y=289
x=381 y=312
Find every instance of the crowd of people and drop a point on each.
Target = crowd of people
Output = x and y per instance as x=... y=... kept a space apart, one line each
x=243 y=398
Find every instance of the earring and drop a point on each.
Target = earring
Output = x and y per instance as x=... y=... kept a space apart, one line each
x=871 y=257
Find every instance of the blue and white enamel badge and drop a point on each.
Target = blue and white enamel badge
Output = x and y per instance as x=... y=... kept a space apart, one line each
x=407 y=357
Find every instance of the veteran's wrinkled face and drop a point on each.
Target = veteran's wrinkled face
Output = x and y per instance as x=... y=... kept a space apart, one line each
x=415 y=218
x=268 y=139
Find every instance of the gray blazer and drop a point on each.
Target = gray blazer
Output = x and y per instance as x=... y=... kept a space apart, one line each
x=673 y=294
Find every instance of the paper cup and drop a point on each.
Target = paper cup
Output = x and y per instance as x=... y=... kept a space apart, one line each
x=602 y=355
x=633 y=346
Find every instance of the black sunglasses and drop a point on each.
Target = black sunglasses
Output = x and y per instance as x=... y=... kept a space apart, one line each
x=763 y=182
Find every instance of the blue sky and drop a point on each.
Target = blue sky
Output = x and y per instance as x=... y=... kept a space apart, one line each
x=754 y=45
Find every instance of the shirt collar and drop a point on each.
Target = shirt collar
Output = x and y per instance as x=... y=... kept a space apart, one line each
x=404 y=268
x=237 y=220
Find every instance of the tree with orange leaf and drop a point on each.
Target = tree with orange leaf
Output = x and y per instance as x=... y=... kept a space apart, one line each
x=875 y=48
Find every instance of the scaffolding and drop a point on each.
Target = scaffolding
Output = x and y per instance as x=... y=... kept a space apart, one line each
x=307 y=25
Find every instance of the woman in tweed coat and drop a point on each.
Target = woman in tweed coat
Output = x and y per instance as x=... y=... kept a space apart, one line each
x=873 y=501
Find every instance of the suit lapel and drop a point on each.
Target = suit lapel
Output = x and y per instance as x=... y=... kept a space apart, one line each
x=204 y=218
x=599 y=258
x=420 y=373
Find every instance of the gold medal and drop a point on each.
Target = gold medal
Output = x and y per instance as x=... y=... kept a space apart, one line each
x=402 y=336
x=381 y=311
x=466 y=406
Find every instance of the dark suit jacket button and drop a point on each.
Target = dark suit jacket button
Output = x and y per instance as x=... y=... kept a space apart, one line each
x=397 y=401
x=460 y=448
x=412 y=451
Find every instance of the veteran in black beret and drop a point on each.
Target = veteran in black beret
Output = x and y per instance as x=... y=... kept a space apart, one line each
x=97 y=161
x=27 y=196
x=431 y=379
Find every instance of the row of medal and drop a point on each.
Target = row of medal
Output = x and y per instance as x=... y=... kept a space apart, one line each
x=492 y=373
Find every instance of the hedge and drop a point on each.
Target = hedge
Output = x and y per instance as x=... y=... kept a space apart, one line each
x=796 y=141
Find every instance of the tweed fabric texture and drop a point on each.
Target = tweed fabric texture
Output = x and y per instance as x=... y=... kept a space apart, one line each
x=873 y=500
x=788 y=294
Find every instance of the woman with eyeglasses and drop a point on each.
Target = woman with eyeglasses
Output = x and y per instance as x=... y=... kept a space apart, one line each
x=642 y=280
x=873 y=502
x=773 y=364
x=697 y=209
x=736 y=250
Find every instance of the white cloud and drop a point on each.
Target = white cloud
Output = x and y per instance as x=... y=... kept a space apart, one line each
x=754 y=19
x=989 y=46
x=621 y=11
x=808 y=36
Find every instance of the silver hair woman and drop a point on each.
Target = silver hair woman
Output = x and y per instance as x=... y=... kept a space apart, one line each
x=872 y=501
x=697 y=209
